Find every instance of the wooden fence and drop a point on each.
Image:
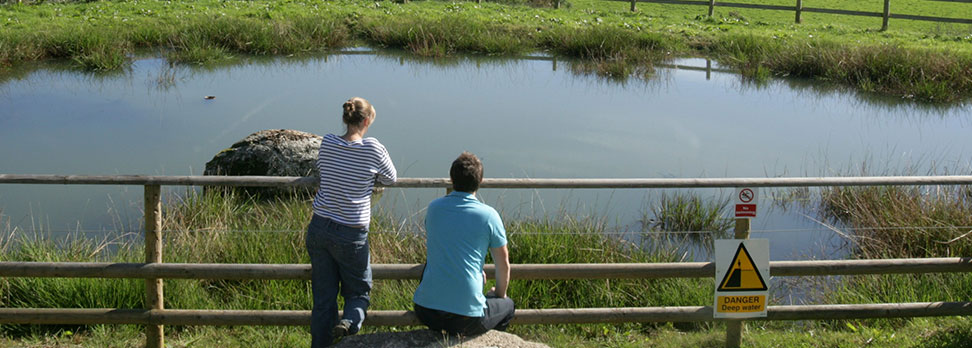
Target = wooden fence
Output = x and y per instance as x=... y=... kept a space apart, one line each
x=153 y=270
x=798 y=9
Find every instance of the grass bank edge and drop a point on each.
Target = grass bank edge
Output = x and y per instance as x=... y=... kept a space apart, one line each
x=929 y=74
x=210 y=228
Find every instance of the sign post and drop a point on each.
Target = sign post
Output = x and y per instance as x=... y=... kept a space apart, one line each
x=746 y=198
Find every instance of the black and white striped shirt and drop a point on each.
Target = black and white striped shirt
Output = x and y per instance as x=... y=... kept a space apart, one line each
x=348 y=173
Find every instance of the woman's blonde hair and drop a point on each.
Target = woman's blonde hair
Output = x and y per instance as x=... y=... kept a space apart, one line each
x=356 y=110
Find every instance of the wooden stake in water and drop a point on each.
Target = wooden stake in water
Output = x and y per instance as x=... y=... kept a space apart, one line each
x=154 y=335
x=734 y=327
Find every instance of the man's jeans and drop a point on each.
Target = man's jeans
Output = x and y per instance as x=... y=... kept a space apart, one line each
x=339 y=260
x=499 y=312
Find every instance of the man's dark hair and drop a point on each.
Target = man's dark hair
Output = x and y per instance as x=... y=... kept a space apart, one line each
x=466 y=173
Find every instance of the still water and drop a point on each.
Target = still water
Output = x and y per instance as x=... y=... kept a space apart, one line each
x=525 y=117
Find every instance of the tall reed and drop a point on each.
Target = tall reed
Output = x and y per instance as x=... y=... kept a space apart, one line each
x=902 y=222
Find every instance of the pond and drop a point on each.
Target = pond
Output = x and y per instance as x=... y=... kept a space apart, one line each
x=526 y=117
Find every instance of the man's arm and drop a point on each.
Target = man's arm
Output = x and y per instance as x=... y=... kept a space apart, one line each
x=501 y=258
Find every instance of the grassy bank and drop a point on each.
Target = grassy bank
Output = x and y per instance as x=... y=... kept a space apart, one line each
x=926 y=61
x=216 y=229
x=210 y=228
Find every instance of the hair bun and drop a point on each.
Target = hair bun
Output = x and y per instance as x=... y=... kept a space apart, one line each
x=349 y=106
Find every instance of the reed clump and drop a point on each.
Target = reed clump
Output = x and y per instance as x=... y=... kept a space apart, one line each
x=902 y=222
x=609 y=51
x=926 y=75
x=690 y=218
x=444 y=36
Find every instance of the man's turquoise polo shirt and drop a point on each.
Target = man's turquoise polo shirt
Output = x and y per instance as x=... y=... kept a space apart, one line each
x=460 y=230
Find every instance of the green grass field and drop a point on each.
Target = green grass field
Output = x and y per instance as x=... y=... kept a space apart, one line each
x=921 y=60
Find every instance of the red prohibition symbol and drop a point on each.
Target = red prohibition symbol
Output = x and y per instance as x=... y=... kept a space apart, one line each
x=746 y=195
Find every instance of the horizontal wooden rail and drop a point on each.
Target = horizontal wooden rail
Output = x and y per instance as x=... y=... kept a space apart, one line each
x=519 y=271
x=932 y=19
x=522 y=316
x=843 y=12
x=517 y=183
x=755 y=6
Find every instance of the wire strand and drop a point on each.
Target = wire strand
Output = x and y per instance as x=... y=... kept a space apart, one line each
x=794 y=230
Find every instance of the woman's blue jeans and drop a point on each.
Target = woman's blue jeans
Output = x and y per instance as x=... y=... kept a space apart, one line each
x=340 y=260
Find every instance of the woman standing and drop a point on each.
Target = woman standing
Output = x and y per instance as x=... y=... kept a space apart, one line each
x=337 y=237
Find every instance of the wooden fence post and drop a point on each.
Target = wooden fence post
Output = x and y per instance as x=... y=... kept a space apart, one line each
x=734 y=326
x=556 y=4
x=154 y=335
x=799 y=11
x=887 y=14
x=711 y=7
x=633 y=8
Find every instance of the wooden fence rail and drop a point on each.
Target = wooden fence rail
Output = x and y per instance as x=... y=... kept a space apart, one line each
x=153 y=271
x=523 y=316
x=518 y=271
x=798 y=9
x=512 y=183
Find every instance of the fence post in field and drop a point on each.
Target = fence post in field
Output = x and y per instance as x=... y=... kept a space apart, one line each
x=556 y=4
x=711 y=7
x=734 y=326
x=154 y=337
x=633 y=8
x=799 y=11
x=887 y=14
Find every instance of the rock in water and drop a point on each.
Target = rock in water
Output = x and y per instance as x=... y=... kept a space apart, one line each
x=272 y=152
x=431 y=339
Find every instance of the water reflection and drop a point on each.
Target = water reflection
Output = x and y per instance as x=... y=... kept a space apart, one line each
x=532 y=116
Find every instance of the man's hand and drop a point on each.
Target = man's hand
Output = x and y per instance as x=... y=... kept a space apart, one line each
x=491 y=293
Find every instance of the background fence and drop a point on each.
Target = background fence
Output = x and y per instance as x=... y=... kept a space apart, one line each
x=153 y=271
x=798 y=10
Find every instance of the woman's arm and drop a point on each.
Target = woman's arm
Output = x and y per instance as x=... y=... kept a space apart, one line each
x=386 y=169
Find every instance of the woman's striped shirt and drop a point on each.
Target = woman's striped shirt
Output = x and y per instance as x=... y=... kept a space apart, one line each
x=348 y=173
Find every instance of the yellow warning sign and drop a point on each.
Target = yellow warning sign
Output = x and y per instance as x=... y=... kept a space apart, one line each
x=742 y=274
x=741 y=304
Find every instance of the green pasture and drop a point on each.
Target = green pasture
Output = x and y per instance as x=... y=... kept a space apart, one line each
x=926 y=61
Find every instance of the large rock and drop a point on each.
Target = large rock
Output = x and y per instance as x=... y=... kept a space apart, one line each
x=431 y=339
x=273 y=152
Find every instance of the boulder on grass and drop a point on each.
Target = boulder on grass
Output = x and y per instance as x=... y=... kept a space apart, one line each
x=432 y=339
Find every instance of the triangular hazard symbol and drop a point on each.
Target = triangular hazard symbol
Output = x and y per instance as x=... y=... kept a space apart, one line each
x=742 y=274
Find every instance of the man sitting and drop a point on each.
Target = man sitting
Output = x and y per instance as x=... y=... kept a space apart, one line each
x=459 y=230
